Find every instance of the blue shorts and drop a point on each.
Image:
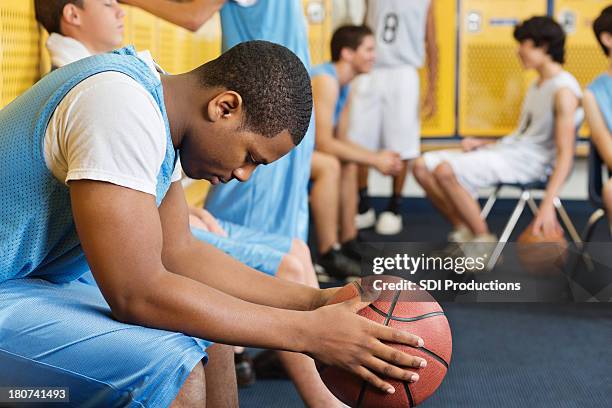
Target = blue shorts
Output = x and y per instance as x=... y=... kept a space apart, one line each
x=63 y=335
x=261 y=251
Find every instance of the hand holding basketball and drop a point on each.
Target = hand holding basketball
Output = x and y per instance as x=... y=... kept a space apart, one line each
x=354 y=343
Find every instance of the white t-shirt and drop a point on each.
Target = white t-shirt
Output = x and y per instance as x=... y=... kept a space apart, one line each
x=108 y=128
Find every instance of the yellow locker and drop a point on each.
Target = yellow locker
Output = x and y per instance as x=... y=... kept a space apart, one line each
x=491 y=81
x=584 y=58
x=204 y=45
x=443 y=122
x=141 y=30
x=20 y=49
x=171 y=45
x=319 y=17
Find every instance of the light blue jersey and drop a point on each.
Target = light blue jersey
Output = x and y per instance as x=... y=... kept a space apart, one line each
x=602 y=89
x=329 y=68
x=275 y=199
x=56 y=331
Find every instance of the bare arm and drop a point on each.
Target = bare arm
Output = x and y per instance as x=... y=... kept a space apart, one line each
x=134 y=249
x=190 y=15
x=431 y=48
x=566 y=104
x=600 y=134
x=325 y=94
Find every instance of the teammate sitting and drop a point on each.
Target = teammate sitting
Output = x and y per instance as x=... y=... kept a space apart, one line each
x=352 y=49
x=541 y=148
x=598 y=103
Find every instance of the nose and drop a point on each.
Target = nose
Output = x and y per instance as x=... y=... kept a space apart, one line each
x=120 y=11
x=244 y=173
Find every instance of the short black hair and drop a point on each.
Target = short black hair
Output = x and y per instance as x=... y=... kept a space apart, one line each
x=348 y=36
x=273 y=83
x=49 y=13
x=544 y=32
x=603 y=24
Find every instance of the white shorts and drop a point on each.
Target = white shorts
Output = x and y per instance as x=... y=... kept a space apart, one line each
x=385 y=111
x=488 y=166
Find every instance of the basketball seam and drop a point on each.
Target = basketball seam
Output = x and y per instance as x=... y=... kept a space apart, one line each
x=408 y=394
x=434 y=355
x=406 y=319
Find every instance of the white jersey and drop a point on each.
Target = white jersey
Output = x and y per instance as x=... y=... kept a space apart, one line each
x=399 y=26
x=535 y=134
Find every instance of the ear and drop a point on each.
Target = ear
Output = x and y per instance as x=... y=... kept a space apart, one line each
x=346 y=54
x=226 y=105
x=71 y=14
x=606 y=39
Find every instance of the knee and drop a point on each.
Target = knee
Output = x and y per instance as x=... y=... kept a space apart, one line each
x=419 y=168
x=291 y=269
x=331 y=166
x=444 y=173
x=193 y=391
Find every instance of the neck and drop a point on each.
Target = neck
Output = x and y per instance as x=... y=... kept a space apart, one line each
x=549 y=70
x=345 y=72
x=178 y=95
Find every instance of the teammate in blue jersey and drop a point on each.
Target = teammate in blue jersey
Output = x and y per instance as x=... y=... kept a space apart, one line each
x=598 y=103
x=353 y=53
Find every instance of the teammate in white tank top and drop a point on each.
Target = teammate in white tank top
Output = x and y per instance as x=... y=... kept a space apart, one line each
x=385 y=112
x=541 y=148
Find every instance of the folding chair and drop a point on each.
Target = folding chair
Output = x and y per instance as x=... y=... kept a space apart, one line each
x=526 y=197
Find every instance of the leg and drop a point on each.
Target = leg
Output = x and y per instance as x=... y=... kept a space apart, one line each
x=467 y=207
x=398 y=186
x=348 y=202
x=193 y=391
x=434 y=192
x=324 y=199
x=221 y=388
x=362 y=183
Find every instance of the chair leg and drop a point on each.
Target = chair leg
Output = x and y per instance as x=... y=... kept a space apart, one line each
x=591 y=223
x=569 y=225
x=489 y=204
x=503 y=239
x=533 y=206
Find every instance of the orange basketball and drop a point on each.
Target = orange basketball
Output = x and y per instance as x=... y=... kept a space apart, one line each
x=540 y=254
x=423 y=317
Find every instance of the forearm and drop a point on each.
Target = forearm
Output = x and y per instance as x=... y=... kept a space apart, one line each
x=190 y=15
x=560 y=173
x=209 y=265
x=348 y=151
x=177 y=303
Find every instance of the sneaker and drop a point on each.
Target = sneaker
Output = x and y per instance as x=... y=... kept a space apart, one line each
x=338 y=265
x=365 y=220
x=461 y=234
x=389 y=223
x=245 y=373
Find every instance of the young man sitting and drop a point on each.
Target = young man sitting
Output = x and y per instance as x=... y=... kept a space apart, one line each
x=353 y=53
x=541 y=148
x=79 y=29
x=598 y=103
x=90 y=179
